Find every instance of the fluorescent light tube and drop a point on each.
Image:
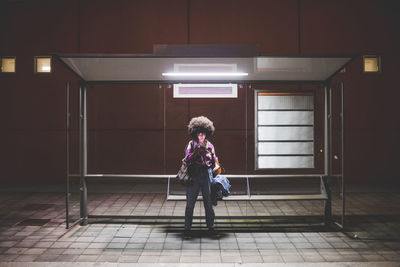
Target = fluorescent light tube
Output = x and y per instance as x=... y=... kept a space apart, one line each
x=205 y=74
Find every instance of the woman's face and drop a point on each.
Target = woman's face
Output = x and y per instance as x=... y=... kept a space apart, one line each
x=201 y=137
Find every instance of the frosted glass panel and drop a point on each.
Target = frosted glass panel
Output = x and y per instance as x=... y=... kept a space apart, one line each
x=285 y=148
x=285 y=133
x=285 y=117
x=205 y=90
x=285 y=102
x=286 y=162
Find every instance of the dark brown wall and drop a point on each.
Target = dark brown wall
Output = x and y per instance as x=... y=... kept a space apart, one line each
x=371 y=99
x=126 y=122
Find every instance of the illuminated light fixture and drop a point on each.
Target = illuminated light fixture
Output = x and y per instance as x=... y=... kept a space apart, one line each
x=205 y=74
x=8 y=64
x=372 y=64
x=46 y=68
x=42 y=64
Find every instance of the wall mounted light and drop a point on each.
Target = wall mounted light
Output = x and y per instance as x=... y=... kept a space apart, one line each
x=42 y=64
x=8 y=64
x=371 y=63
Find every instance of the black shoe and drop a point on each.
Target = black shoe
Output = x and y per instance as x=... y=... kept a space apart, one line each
x=187 y=233
x=211 y=231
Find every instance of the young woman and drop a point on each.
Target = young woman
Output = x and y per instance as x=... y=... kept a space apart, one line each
x=200 y=153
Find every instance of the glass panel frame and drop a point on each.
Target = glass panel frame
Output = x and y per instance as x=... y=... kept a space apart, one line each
x=283 y=134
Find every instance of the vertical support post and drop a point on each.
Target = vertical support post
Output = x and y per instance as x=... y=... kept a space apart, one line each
x=248 y=187
x=326 y=129
x=169 y=180
x=328 y=202
x=83 y=153
x=328 y=145
x=67 y=119
x=342 y=149
x=164 y=128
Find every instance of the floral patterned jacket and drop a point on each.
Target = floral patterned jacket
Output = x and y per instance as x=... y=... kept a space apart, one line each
x=200 y=154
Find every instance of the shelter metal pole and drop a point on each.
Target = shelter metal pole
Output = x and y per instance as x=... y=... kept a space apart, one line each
x=328 y=145
x=342 y=165
x=326 y=131
x=83 y=153
x=67 y=112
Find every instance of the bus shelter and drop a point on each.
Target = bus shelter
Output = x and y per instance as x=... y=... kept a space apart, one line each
x=225 y=71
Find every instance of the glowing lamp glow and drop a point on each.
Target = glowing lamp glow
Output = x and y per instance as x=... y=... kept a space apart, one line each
x=204 y=74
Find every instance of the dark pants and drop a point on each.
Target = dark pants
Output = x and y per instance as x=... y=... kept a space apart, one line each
x=201 y=180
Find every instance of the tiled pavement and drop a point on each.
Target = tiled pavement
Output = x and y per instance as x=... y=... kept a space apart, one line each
x=374 y=217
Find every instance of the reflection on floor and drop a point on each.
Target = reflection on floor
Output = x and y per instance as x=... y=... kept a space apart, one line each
x=32 y=229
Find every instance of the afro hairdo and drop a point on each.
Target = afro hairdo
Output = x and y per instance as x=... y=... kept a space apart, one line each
x=200 y=124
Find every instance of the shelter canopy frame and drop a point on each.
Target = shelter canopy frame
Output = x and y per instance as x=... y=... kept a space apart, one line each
x=146 y=68
x=118 y=68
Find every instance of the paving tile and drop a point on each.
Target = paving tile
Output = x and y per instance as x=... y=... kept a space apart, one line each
x=292 y=258
x=373 y=257
x=67 y=258
x=251 y=259
x=132 y=252
x=284 y=246
x=87 y=258
x=26 y=258
x=210 y=258
x=231 y=259
x=173 y=245
x=93 y=251
x=73 y=251
x=117 y=245
x=8 y=244
x=321 y=245
x=41 y=244
x=15 y=250
x=61 y=244
x=339 y=244
x=189 y=259
x=315 y=257
x=135 y=246
x=190 y=252
x=79 y=245
x=97 y=245
x=147 y=259
x=246 y=246
x=391 y=256
x=34 y=251
x=25 y=244
x=153 y=246
x=8 y=257
x=129 y=258
x=265 y=245
x=47 y=258
x=108 y=258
